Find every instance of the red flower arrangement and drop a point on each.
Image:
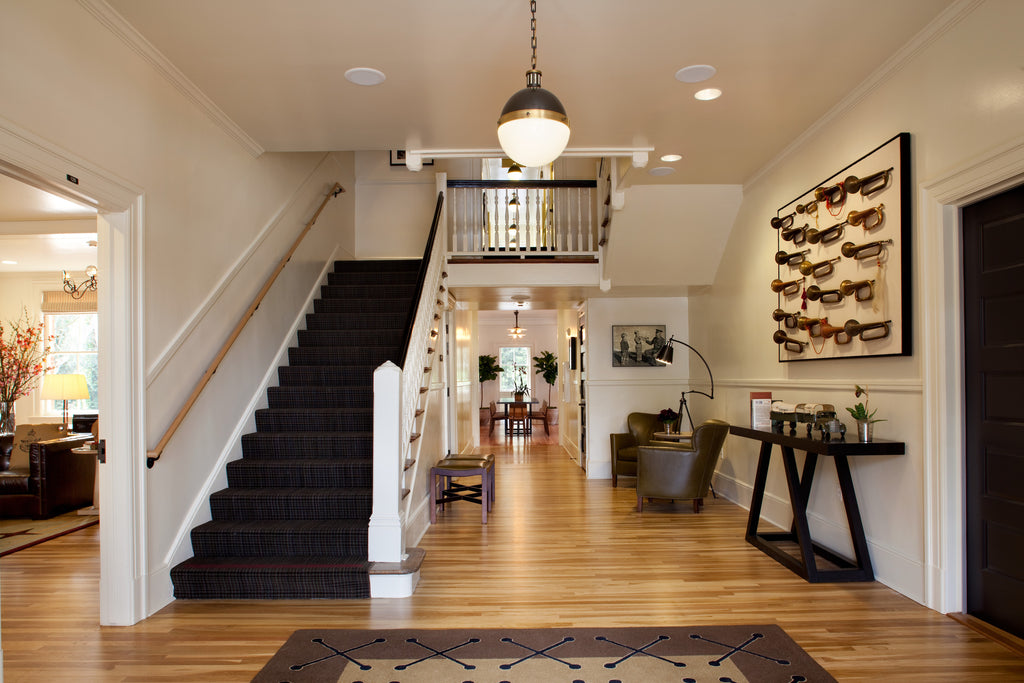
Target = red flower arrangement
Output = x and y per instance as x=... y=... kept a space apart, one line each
x=23 y=351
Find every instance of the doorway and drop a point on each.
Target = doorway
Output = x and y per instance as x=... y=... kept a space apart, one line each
x=993 y=291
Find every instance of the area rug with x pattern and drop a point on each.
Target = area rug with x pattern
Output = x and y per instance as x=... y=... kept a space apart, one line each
x=699 y=654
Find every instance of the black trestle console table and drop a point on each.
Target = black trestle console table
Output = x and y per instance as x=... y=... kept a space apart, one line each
x=804 y=562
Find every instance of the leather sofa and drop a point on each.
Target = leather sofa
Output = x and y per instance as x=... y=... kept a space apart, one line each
x=51 y=480
x=681 y=474
x=642 y=427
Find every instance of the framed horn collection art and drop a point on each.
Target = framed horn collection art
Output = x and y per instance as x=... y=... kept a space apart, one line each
x=843 y=262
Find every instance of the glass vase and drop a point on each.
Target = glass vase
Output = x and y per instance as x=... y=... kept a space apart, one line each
x=6 y=417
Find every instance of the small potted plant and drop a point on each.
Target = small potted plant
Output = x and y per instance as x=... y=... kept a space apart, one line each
x=668 y=418
x=864 y=416
x=520 y=387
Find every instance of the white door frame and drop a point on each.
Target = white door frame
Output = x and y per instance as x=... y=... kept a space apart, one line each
x=941 y=285
x=42 y=164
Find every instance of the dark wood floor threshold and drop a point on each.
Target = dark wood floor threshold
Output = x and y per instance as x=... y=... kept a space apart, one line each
x=546 y=258
x=993 y=633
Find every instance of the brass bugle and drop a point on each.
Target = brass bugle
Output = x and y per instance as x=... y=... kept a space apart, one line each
x=868 y=185
x=812 y=325
x=862 y=290
x=838 y=333
x=783 y=222
x=827 y=235
x=819 y=269
x=827 y=296
x=810 y=208
x=863 y=251
x=787 y=319
x=833 y=194
x=786 y=288
x=795 y=235
x=865 y=219
x=791 y=344
x=855 y=329
x=782 y=257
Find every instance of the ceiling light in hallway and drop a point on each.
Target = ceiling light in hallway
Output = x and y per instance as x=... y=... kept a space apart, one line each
x=365 y=76
x=695 y=73
x=708 y=94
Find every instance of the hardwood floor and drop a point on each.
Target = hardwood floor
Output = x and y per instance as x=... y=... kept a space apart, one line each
x=559 y=550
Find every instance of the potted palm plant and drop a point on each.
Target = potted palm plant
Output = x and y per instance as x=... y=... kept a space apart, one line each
x=488 y=370
x=546 y=365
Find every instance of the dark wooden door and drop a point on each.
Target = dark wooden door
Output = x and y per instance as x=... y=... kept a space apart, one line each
x=993 y=261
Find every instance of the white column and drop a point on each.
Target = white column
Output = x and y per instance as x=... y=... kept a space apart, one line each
x=386 y=542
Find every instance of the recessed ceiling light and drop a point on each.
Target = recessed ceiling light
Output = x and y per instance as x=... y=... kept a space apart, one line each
x=695 y=73
x=708 y=94
x=671 y=157
x=365 y=76
x=9 y=263
x=662 y=170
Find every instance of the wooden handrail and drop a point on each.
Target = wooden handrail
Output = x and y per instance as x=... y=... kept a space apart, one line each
x=421 y=276
x=154 y=455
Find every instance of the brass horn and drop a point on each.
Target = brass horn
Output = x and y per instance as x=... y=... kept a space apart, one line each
x=783 y=222
x=833 y=194
x=794 y=345
x=869 y=185
x=812 y=325
x=786 y=288
x=795 y=235
x=855 y=329
x=863 y=251
x=787 y=319
x=864 y=218
x=827 y=235
x=827 y=296
x=810 y=208
x=819 y=269
x=794 y=259
x=835 y=332
x=862 y=290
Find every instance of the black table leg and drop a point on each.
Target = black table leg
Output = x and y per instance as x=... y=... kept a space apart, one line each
x=798 y=500
x=860 y=541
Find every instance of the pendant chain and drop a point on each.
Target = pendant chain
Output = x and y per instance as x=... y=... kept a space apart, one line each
x=533 y=31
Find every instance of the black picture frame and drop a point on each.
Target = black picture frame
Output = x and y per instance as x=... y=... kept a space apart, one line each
x=396 y=157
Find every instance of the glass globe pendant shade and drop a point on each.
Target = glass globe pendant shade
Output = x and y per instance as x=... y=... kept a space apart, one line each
x=533 y=128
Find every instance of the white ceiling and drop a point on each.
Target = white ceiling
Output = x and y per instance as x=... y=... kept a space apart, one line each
x=277 y=69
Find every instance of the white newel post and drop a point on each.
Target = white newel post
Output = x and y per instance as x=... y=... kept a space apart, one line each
x=386 y=542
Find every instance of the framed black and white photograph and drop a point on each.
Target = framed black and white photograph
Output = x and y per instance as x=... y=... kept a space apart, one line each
x=398 y=158
x=637 y=345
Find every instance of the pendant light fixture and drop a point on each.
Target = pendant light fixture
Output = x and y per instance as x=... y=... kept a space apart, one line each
x=533 y=128
x=517 y=332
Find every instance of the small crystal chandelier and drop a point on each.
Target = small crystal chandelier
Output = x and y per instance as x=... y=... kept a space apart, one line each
x=87 y=285
x=533 y=128
x=517 y=332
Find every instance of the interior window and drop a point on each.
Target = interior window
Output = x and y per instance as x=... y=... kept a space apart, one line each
x=74 y=351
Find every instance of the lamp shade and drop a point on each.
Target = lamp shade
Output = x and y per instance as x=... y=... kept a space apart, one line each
x=533 y=128
x=64 y=388
x=665 y=355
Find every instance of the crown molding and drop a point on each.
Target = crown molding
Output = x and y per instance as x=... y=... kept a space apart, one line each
x=128 y=34
x=946 y=20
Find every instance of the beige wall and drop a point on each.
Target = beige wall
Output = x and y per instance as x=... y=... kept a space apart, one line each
x=961 y=97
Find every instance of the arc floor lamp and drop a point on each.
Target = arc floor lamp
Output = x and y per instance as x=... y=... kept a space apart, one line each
x=665 y=356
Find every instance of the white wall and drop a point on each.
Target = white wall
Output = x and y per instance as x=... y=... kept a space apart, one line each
x=613 y=393
x=394 y=207
x=215 y=221
x=960 y=95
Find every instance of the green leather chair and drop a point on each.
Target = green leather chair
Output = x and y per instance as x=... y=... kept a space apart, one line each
x=642 y=427
x=680 y=474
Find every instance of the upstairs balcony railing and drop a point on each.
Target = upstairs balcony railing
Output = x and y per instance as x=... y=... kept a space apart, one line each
x=522 y=219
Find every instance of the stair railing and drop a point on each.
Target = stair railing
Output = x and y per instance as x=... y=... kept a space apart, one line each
x=153 y=455
x=397 y=396
x=521 y=218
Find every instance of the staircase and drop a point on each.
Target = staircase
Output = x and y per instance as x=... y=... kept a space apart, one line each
x=292 y=523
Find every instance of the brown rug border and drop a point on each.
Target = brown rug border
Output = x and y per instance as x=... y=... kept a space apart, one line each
x=86 y=523
x=304 y=649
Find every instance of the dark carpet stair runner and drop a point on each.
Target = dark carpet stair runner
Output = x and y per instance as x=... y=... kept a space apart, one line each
x=292 y=523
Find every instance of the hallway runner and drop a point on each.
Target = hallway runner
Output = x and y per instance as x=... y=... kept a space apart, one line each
x=755 y=654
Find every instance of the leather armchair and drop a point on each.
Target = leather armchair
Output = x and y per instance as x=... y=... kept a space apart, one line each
x=624 y=446
x=683 y=474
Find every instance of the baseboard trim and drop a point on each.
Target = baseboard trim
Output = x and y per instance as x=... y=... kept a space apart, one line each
x=993 y=633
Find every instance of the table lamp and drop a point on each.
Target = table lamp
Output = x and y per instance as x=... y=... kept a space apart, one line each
x=64 y=388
